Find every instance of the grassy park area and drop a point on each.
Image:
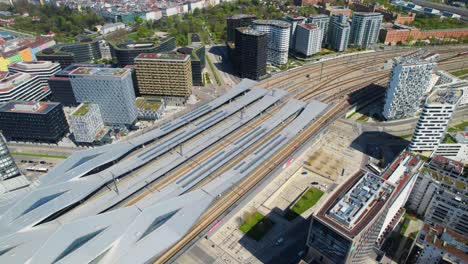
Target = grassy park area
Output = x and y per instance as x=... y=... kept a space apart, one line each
x=309 y=199
x=256 y=226
x=458 y=127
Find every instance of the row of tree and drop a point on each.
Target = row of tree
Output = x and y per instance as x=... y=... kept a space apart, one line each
x=63 y=21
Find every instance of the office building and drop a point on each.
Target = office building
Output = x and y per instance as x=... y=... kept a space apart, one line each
x=401 y=173
x=125 y=53
x=8 y=168
x=365 y=29
x=294 y=22
x=111 y=89
x=308 y=39
x=409 y=82
x=60 y=84
x=323 y=22
x=236 y=21
x=164 y=74
x=346 y=227
x=251 y=53
x=86 y=123
x=42 y=69
x=434 y=119
x=440 y=244
x=197 y=57
x=33 y=121
x=23 y=87
x=440 y=194
x=278 y=33
x=339 y=32
x=84 y=51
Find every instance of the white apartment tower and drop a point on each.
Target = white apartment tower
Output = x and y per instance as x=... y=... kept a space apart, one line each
x=409 y=83
x=365 y=29
x=339 y=32
x=278 y=33
x=8 y=167
x=434 y=119
x=86 y=123
x=294 y=21
x=111 y=89
x=308 y=39
x=322 y=21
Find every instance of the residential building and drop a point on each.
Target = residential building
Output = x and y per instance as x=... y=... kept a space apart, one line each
x=84 y=51
x=197 y=58
x=339 y=32
x=251 y=53
x=323 y=21
x=86 y=123
x=278 y=33
x=409 y=82
x=111 y=27
x=294 y=21
x=22 y=86
x=440 y=244
x=33 y=121
x=401 y=173
x=125 y=53
x=236 y=21
x=8 y=168
x=164 y=74
x=150 y=108
x=308 y=39
x=365 y=29
x=60 y=84
x=434 y=119
x=104 y=48
x=347 y=226
x=440 y=194
x=111 y=89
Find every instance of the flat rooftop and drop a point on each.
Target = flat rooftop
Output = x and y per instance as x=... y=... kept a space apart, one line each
x=148 y=104
x=33 y=65
x=162 y=57
x=445 y=96
x=272 y=22
x=81 y=110
x=14 y=80
x=28 y=107
x=309 y=26
x=446 y=240
x=250 y=31
x=447 y=164
x=240 y=16
x=67 y=70
x=92 y=71
x=357 y=200
x=355 y=203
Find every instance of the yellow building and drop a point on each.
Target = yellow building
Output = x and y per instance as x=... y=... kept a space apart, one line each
x=167 y=75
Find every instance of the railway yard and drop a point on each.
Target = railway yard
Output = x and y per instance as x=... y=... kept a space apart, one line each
x=170 y=185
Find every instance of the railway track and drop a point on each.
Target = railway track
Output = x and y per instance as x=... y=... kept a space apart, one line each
x=225 y=202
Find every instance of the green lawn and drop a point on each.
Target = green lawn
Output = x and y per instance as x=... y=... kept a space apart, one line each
x=448 y=139
x=458 y=127
x=363 y=118
x=38 y=155
x=405 y=225
x=409 y=136
x=309 y=199
x=213 y=69
x=256 y=226
x=460 y=73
